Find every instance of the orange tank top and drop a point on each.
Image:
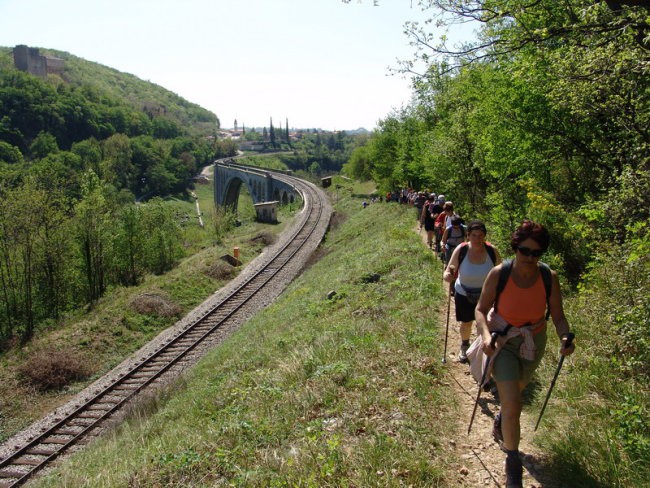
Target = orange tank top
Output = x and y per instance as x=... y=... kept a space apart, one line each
x=520 y=306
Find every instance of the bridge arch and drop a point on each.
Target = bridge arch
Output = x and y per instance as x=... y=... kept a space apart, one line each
x=261 y=184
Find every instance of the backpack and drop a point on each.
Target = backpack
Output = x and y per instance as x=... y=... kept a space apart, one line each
x=504 y=274
x=463 y=232
x=488 y=247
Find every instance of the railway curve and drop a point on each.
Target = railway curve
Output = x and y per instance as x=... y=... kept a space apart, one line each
x=174 y=350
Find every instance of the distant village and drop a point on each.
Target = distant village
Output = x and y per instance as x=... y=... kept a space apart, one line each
x=295 y=135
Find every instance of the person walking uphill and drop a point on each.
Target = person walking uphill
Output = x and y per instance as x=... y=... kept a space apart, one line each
x=518 y=312
x=470 y=263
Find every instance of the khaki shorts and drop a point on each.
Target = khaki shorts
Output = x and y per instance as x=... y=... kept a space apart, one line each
x=510 y=366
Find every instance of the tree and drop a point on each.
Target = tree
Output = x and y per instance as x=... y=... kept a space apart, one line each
x=44 y=144
x=92 y=224
x=116 y=166
x=272 y=135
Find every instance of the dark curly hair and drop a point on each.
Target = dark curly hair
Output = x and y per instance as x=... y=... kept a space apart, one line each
x=530 y=230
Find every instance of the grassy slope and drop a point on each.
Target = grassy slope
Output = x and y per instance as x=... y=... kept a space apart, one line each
x=129 y=89
x=311 y=392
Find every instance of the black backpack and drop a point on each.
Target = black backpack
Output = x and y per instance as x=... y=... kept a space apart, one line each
x=506 y=269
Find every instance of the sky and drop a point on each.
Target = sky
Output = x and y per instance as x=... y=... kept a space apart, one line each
x=316 y=63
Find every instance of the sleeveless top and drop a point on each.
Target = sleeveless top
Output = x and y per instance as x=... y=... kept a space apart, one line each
x=521 y=306
x=472 y=275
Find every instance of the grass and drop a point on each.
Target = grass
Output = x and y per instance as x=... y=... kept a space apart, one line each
x=102 y=337
x=601 y=411
x=350 y=391
x=312 y=391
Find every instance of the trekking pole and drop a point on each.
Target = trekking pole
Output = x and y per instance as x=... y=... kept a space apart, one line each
x=493 y=342
x=569 y=339
x=444 y=355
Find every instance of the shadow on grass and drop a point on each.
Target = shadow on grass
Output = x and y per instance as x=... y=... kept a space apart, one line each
x=557 y=473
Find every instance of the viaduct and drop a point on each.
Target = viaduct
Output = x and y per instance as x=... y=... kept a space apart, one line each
x=265 y=187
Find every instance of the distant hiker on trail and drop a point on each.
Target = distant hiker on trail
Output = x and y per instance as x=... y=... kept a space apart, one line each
x=430 y=211
x=517 y=310
x=470 y=263
x=442 y=221
x=418 y=202
x=453 y=235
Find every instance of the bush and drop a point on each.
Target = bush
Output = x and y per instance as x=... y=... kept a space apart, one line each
x=52 y=370
x=265 y=238
x=221 y=270
x=151 y=304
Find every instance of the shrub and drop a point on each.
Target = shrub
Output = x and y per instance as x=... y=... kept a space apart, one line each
x=52 y=370
x=151 y=304
x=221 y=270
x=265 y=238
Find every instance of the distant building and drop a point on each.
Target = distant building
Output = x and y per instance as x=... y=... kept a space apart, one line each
x=28 y=59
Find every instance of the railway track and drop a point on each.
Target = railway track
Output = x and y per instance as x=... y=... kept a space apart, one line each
x=72 y=429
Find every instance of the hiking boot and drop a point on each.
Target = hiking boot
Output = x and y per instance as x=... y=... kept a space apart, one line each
x=497 y=433
x=462 y=355
x=514 y=470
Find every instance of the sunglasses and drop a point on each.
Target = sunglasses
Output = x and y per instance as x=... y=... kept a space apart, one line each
x=527 y=251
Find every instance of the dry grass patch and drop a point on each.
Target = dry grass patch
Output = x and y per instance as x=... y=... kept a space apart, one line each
x=264 y=238
x=52 y=370
x=153 y=304
x=221 y=270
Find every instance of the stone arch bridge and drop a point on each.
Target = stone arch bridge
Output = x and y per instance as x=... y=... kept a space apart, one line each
x=263 y=185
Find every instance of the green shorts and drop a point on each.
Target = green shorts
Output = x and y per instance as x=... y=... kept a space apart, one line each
x=510 y=366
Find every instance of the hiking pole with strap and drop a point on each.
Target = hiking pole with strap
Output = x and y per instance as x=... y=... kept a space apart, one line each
x=569 y=339
x=493 y=342
x=444 y=355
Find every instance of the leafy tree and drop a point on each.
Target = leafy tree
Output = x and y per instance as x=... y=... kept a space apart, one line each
x=10 y=154
x=162 y=248
x=117 y=168
x=92 y=223
x=44 y=144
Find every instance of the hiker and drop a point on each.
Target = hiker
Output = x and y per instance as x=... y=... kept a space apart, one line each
x=418 y=202
x=453 y=235
x=520 y=311
x=441 y=224
x=469 y=265
x=428 y=218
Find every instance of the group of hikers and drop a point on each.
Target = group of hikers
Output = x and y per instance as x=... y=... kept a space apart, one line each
x=509 y=302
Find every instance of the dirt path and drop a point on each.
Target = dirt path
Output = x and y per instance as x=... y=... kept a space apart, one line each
x=479 y=461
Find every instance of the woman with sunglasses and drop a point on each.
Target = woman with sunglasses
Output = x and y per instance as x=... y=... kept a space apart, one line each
x=469 y=265
x=521 y=321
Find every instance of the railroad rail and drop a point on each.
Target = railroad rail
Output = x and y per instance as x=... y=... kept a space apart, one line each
x=71 y=430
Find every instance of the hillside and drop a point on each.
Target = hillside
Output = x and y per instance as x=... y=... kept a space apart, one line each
x=127 y=89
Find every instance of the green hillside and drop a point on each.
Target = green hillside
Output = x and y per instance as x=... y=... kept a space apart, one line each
x=102 y=81
x=78 y=148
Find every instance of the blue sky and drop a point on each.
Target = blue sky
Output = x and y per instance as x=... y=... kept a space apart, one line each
x=317 y=63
